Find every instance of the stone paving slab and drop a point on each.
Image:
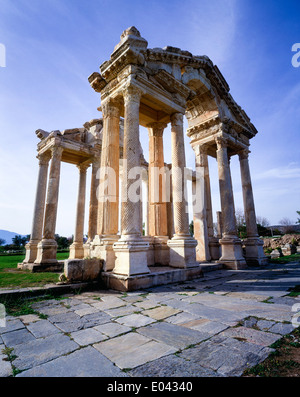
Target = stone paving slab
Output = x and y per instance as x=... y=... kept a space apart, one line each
x=161 y=312
x=42 y=350
x=132 y=350
x=135 y=320
x=86 y=362
x=173 y=335
x=112 y=329
x=42 y=328
x=87 y=336
x=17 y=337
x=5 y=366
x=217 y=325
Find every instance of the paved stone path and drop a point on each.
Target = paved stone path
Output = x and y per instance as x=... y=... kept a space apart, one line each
x=217 y=325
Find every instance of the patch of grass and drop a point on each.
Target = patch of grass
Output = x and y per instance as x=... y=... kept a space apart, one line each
x=294 y=291
x=12 y=277
x=286 y=259
x=284 y=361
x=21 y=306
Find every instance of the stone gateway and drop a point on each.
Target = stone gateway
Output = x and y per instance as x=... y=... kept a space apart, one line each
x=152 y=88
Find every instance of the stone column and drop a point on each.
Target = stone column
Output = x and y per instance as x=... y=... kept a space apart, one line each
x=76 y=249
x=219 y=224
x=182 y=245
x=253 y=244
x=214 y=246
x=38 y=215
x=47 y=248
x=200 y=212
x=232 y=255
x=108 y=189
x=170 y=213
x=131 y=249
x=157 y=194
x=93 y=207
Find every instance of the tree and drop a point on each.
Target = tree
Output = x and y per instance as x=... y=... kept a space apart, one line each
x=62 y=242
x=2 y=241
x=240 y=223
x=287 y=225
x=262 y=221
x=19 y=241
x=298 y=220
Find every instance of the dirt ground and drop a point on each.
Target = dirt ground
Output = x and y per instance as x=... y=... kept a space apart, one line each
x=284 y=362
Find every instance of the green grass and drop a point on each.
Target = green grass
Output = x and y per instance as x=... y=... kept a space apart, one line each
x=11 y=277
x=286 y=259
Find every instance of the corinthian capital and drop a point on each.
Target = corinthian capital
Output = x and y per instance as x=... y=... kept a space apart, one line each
x=156 y=128
x=44 y=158
x=221 y=142
x=176 y=119
x=132 y=94
x=244 y=154
x=110 y=108
x=57 y=151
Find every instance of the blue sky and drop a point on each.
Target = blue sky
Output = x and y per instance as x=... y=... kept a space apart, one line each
x=52 y=46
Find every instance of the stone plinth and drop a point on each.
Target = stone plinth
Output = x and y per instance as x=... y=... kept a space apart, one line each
x=232 y=253
x=102 y=247
x=131 y=257
x=157 y=276
x=182 y=252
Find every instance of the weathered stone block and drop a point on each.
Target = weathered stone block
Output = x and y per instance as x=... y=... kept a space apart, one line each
x=82 y=269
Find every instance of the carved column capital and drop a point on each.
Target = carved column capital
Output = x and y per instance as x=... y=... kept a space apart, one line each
x=156 y=128
x=110 y=108
x=82 y=167
x=57 y=151
x=177 y=119
x=132 y=94
x=221 y=142
x=44 y=158
x=244 y=154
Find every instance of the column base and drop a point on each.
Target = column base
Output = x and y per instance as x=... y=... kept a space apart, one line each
x=161 y=250
x=102 y=248
x=232 y=253
x=131 y=256
x=87 y=249
x=150 y=252
x=254 y=252
x=46 y=256
x=76 y=251
x=214 y=248
x=31 y=251
x=182 y=251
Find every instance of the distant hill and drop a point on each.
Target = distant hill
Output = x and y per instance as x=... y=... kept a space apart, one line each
x=8 y=236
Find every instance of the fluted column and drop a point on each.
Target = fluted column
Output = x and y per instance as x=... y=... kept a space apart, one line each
x=232 y=255
x=253 y=244
x=76 y=249
x=47 y=248
x=182 y=245
x=157 y=194
x=93 y=207
x=214 y=246
x=131 y=249
x=38 y=214
x=108 y=187
x=108 y=193
x=200 y=206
